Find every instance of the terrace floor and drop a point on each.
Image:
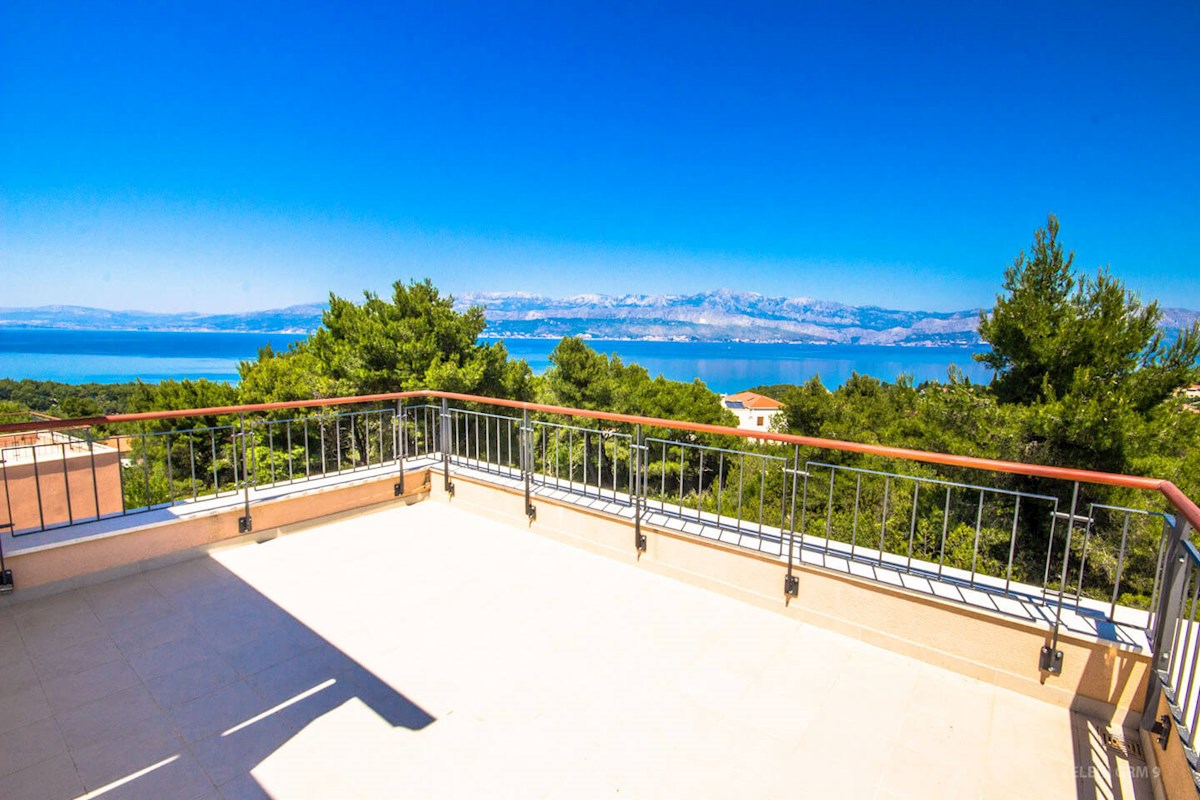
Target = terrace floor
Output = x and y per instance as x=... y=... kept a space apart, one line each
x=428 y=652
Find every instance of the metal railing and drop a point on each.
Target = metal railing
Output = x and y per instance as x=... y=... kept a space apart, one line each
x=63 y=481
x=1043 y=543
x=1176 y=651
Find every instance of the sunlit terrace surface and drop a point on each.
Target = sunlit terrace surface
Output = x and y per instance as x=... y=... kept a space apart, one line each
x=494 y=599
x=427 y=651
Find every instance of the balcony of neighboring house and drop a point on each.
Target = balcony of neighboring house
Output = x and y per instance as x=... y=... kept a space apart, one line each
x=50 y=477
x=426 y=594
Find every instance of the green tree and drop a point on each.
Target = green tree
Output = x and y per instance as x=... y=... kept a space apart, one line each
x=295 y=374
x=579 y=377
x=415 y=340
x=805 y=408
x=168 y=458
x=1054 y=333
x=1083 y=356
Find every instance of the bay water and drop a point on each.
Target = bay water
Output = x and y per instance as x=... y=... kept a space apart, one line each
x=82 y=356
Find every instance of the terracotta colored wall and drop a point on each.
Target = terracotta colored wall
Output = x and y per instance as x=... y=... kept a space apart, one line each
x=64 y=494
x=19 y=439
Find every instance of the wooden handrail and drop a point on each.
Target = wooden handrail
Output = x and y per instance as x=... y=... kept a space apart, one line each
x=1181 y=502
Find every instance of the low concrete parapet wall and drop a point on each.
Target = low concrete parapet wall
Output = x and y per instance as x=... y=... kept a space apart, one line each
x=85 y=560
x=1099 y=678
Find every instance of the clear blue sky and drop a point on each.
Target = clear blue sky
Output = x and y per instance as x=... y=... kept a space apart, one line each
x=214 y=156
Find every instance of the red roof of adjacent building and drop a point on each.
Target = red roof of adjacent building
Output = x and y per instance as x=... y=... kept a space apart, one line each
x=755 y=401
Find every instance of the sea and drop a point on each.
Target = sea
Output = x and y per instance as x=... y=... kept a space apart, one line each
x=80 y=356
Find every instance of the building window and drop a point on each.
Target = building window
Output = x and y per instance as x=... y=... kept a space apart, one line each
x=760 y=422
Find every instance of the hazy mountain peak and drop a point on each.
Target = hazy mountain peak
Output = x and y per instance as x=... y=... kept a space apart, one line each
x=719 y=315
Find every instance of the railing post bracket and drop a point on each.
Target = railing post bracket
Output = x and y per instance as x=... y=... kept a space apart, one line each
x=1162 y=730
x=526 y=456
x=245 y=523
x=1051 y=660
x=446 y=482
x=400 y=446
x=637 y=490
x=6 y=576
x=791 y=585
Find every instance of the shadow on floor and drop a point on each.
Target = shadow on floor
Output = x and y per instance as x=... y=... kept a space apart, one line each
x=171 y=683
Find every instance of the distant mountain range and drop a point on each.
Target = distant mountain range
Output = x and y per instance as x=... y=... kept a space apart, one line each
x=716 y=316
x=293 y=319
x=722 y=315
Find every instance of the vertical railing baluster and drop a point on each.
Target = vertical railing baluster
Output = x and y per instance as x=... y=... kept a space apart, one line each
x=662 y=495
x=741 y=491
x=762 y=488
x=1184 y=629
x=978 y=531
x=244 y=524
x=400 y=446
x=912 y=527
x=639 y=539
x=146 y=466
x=720 y=486
x=854 y=526
x=1012 y=543
x=1112 y=611
x=682 y=450
x=170 y=470
x=1159 y=568
x=1087 y=537
x=95 y=481
x=337 y=442
x=887 y=486
x=526 y=465
x=829 y=512
x=614 y=466
x=446 y=484
x=1183 y=697
x=1051 y=658
x=212 y=437
x=324 y=459
x=191 y=461
x=791 y=583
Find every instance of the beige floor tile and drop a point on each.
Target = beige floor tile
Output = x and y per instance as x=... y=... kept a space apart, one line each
x=129 y=751
x=71 y=691
x=165 y=658
x=23 y=707
x=108 y=717
x=75 y=659
x=19 y=675
x=181 y=778
x=445 y=655
x=916 y=770
x=52 y=779
x=29 y=745
x=192 y=681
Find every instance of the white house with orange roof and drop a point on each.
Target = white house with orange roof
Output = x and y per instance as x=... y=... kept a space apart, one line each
x=754 y=411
